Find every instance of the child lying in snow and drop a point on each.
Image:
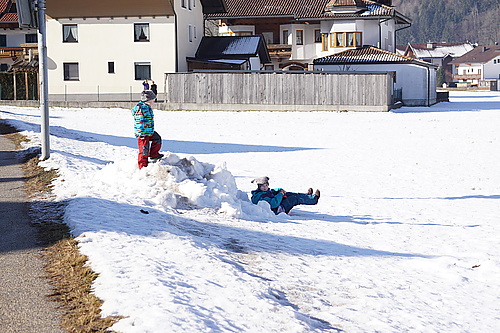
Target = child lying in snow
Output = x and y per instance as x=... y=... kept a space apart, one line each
x=279 y=199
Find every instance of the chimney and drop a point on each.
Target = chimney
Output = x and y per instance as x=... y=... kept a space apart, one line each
x=431 y=45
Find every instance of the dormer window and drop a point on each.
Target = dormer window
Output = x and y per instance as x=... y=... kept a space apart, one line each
x=141 y=32
x=70 y=33
x=345 y=6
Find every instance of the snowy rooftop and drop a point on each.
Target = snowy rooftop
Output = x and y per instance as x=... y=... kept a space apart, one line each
x=440 y=50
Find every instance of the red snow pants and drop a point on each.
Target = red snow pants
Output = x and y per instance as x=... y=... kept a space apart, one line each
x=149 y=146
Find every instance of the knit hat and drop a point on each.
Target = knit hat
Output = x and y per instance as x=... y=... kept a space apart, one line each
x=261 y=180
x=147 y=95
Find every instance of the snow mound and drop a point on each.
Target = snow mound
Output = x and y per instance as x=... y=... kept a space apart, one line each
x=174 y=182
x=185 y=180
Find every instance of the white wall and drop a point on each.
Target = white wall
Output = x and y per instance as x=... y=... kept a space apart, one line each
x=189 y=19
x=101 y=41
x=413 y=79
x=255 y=63
x=387 y=36
x=492 y=69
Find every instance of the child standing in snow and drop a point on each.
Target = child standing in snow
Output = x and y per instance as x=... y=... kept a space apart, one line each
x=279 y=199
x=148 y=140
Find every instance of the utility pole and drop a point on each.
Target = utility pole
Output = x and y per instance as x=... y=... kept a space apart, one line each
x=44 y=73
x=31 y=14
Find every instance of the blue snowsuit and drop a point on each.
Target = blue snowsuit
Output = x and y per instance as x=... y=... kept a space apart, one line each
x=280 y=202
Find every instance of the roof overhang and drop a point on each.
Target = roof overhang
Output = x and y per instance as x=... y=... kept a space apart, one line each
x=213 y=6
x=108 y=8
x=218 y=61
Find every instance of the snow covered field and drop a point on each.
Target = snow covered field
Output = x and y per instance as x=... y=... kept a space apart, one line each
x=405 y=237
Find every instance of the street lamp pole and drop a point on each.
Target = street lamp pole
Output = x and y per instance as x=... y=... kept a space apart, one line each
x=44 y=89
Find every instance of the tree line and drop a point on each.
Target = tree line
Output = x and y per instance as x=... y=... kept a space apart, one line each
x=450 y=21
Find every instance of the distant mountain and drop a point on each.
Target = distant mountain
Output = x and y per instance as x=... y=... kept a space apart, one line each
x=450 y=21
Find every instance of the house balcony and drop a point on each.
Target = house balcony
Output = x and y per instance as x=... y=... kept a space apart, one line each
x=279 y=51
x=29 y=51
x=467 y=76
x=11 y=52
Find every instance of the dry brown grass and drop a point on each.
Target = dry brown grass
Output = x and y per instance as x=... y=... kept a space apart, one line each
x=73 y=282
x=66 y=266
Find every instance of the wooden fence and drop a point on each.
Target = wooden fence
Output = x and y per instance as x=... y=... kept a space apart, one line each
x=283 y=90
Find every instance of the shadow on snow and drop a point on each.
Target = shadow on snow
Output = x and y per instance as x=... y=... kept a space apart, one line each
x=174 y=146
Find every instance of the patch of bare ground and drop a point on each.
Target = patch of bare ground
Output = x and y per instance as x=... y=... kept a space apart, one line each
x=66 y=266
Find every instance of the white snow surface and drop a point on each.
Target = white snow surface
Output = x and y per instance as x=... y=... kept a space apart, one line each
x=405 y=237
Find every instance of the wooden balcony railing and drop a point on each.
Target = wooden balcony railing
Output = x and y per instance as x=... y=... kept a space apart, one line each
x=11 y=52
x=467 y=76
x=279 y=51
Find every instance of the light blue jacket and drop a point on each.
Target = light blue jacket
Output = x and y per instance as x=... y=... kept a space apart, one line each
x=144 y=120
x=273 y=197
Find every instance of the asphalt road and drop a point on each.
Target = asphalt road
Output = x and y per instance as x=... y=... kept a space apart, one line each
x=24 y=306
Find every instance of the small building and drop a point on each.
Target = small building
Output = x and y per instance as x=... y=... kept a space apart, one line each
x=230 y=53
x=477 y=66
x=414 y=79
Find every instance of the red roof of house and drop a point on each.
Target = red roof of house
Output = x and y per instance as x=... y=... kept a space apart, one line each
x=5 y=15
x=480 y=54
x=9 y=17
x=367 y=55
x=3 y=5
x=303 y=9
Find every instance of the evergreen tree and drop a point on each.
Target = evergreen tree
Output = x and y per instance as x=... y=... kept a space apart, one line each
x=440 y=77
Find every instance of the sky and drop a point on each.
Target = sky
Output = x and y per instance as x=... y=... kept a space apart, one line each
x=403 y=239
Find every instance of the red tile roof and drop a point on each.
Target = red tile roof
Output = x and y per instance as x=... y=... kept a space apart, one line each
x=3 y=5
x=366 y=55
x=300 y=9
x=9 y=17
x=5 y=15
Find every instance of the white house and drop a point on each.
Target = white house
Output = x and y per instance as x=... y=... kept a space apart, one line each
x=415 y=79
x=479 y=65
x=299 y=31
x=104 y=50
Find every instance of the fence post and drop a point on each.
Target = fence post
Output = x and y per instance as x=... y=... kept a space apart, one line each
x=15 y=86
x=98 y=93
x=165 y=88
